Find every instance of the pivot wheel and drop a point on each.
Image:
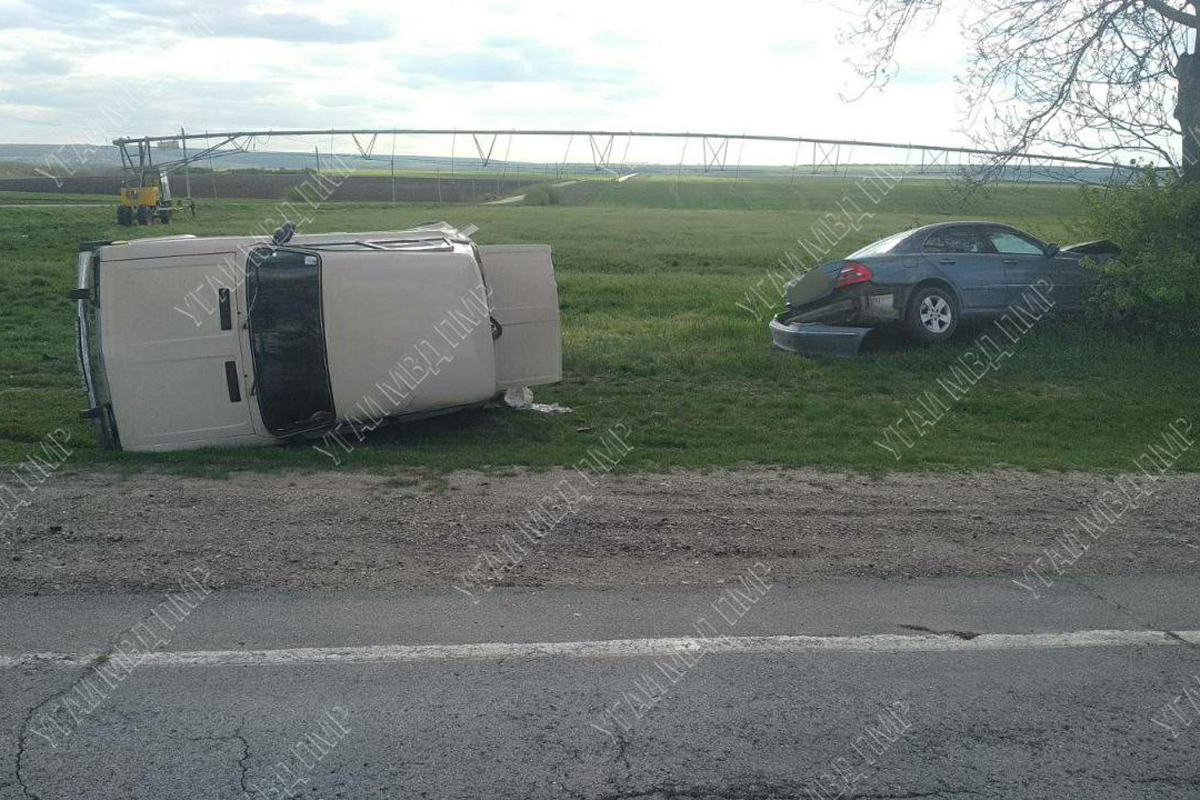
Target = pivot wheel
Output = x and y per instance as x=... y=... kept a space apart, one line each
x=932 y=315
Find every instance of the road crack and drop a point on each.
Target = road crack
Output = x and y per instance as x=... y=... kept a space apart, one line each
x=622 y=754
x=1122 y=608
x=27 y=722
x=909 y=795
x=964 y=635
x=26 y=729
x=243 y=759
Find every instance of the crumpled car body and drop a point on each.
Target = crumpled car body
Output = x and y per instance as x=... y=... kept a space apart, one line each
x=928 y=280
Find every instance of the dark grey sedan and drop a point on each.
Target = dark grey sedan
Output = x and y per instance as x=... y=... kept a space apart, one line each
x=931 y=278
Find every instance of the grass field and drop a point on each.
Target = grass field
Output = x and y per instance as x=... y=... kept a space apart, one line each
x=650 y=274
x=24 y=198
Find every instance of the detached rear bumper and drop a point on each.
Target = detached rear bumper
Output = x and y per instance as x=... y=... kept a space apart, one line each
x=815 y=340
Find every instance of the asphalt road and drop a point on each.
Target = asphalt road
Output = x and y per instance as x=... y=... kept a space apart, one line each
x=950 y=688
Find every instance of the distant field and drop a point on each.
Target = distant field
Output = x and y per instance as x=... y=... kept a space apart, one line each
x=811 y=193
x=820 y=194
x=17 y=170
x=284 y=185
x=650 y=275
x=25 y=198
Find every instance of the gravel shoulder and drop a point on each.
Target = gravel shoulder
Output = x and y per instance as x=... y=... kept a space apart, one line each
x=100 y=532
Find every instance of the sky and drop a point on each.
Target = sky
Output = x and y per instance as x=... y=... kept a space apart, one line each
x=73 y=71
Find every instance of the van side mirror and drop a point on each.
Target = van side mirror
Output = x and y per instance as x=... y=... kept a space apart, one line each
x=1052 y=250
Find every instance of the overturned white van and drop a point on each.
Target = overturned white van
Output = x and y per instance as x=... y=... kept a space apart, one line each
x=190 y=342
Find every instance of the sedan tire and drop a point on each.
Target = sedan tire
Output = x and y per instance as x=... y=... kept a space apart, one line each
x=932 y=315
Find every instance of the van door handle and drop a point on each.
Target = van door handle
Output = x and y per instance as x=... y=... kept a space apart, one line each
x=1011 y=261
x=226 y=313
x=231 y=382
x=948 y=261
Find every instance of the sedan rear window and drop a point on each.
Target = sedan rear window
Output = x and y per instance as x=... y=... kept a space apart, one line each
x=881 y=247
x=957 y=240
x=287 y=340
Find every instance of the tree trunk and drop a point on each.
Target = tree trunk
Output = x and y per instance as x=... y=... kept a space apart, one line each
x=1187 y=111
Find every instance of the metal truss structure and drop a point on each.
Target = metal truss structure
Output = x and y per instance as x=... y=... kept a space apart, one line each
x=829 y=156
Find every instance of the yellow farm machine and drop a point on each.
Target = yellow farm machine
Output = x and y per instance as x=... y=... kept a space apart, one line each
x=146 y=198
x=145 y=193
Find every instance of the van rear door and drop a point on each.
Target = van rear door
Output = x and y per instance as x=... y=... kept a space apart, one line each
x=524 y=300
x=171 y=351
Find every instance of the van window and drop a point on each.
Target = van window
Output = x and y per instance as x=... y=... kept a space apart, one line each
x=287 y=340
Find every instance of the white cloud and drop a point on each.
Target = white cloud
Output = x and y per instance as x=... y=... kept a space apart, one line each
x=761 y=67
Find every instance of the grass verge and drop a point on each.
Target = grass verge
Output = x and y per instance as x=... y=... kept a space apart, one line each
x=654 y=338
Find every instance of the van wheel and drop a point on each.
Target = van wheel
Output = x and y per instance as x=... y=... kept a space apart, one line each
x=124 y=216
x=932 y=315
x=143 y=215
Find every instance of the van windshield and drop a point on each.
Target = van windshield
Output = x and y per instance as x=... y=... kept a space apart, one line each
x=287 y=340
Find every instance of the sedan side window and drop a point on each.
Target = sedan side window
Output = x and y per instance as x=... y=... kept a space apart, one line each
x=956 y=240
x=1010 y=244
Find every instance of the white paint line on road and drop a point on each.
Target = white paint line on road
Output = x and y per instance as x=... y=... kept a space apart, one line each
x=626 y=648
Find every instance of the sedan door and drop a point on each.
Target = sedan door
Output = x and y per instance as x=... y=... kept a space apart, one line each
x=1026 y=262
x=969 y=262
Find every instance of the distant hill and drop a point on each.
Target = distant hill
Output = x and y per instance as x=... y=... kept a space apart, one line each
x=94 y=159
x=79 y=160
x=87 y=158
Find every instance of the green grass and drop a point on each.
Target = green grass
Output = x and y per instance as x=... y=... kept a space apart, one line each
x=818 y=195
x=21 y=198
x=653 y=338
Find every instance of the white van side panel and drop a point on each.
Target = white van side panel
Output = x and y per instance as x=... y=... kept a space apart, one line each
x=524 y=298
x=406 y=332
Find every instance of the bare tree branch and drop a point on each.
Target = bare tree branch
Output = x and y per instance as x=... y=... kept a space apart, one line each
x=1173 y=14
x=1093 y=76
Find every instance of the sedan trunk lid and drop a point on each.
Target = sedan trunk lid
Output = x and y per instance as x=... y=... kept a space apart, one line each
x=816 y=284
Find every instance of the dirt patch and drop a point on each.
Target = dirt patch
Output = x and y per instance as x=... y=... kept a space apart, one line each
x=351 y=530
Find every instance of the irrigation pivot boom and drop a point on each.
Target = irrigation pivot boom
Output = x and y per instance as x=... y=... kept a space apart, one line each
x=972 y=165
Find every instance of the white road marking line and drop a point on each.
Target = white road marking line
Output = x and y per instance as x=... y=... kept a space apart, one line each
x=625 y=648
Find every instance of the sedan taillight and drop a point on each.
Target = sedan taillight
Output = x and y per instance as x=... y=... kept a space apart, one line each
x=852 y=273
